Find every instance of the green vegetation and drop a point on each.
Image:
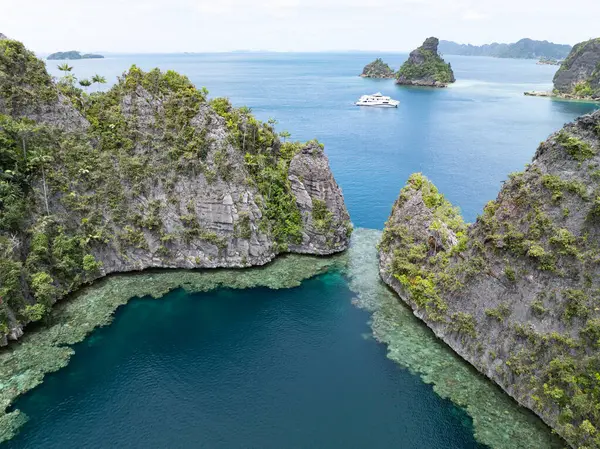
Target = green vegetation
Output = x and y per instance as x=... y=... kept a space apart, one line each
x=69 y=194
x=267 y=160
x=579 y=74
x=557 y=186
x=463 y=323
x=510 y=274
x=24 y=82
x=498 y=420
x=583 y=89
x=322 y=217
x=537 y=306
x=577 y=148
x=377 y=69
x=243 y=228
x=419 y=267
x=576 y=304
x=532 y=246
x=554 y=370
x=432 y=67
x=500 y=313
x=425 y=66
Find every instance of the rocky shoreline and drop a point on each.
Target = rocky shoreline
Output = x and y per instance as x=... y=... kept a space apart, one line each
x=497 y=419
x=560 y=96
x=47 y=348
x=150 y=174
x=515 y=293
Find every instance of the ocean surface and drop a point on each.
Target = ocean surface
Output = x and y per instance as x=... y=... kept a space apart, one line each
x=296 y=368
x=466 y=138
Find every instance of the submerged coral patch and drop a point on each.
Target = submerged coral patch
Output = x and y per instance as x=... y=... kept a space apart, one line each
x=499 y=421
x=23 y=365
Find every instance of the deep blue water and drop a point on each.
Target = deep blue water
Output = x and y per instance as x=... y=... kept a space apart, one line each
x=466 y=138
x=291 y=368
x=240 y=369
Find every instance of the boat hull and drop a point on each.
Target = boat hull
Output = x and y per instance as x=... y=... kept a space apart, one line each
x=377 y=105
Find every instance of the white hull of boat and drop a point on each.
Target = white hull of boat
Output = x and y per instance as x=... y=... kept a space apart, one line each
x=377 y=105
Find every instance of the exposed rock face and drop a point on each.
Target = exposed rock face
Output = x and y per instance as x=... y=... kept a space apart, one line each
x=377 y=69
x=149 y=174
x=579 y=74
x=516 y=293
x=325 y=219
x=425 y=67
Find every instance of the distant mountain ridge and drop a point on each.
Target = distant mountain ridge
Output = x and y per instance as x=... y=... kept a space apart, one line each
x=523 y=49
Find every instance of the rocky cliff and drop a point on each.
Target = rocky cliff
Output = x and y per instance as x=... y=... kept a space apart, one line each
x=425 y=67
x=517 y=293
x=377 y=69
x=579 y=74
x=148 y=174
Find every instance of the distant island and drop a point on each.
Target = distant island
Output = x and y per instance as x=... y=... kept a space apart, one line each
x=378 y=69
x=523 y=49
x=73 y=55
x=579 y=75
x=425 y=67
x=549 y=61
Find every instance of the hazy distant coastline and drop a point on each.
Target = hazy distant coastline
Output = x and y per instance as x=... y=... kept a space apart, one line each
x=523 y=49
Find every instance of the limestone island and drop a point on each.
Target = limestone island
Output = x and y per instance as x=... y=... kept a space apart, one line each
x=68 y=55
x=425 y=67
x=578 y=77
x=151 y=174
x=517 y=293
x=378 y=69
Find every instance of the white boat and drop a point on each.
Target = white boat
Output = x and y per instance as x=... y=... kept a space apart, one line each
x=377 y=100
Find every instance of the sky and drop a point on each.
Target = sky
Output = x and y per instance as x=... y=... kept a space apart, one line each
x=288 y=25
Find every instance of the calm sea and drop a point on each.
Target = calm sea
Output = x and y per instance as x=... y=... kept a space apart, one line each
x=466 y=138
x=292 y=368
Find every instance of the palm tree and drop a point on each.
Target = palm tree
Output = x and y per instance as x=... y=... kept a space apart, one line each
x=98 y=79
x=40 y=159
x=284 y=135
x=85 y=83
x=24 y=130
x=68 y=77
x=65 y=68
